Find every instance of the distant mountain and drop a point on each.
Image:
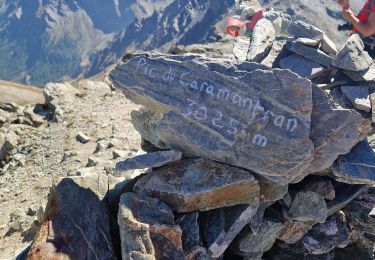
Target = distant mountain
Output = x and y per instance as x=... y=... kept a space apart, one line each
x=53 y=40
x=57 y=40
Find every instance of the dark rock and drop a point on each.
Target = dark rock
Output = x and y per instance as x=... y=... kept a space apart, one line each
x=200 y=185
x=192 y=242
x=254 y=245
x=334 y=131
x=300 y=65
x=359 y=96
x=361 y=218
x=307 y=206
x=322 y=186
x=262 y=40
x=149 y=160
x=356 y=167
x=300 y=29
x=344 y=195
x=221 y=226
x=327 y=236
x=309 y=53
x=147 y=229
x=257 y=220
x=75 y=224
x=352 y=56
x=209 y=124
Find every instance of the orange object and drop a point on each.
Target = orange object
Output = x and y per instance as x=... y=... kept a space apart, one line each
x=233 y=27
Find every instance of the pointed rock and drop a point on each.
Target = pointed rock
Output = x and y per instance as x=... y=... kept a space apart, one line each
x=352 y=56
x=147 y=229
x=359 y=96
x=328 y=46
x=200 y=185
x=262 y=40
x=241 y=46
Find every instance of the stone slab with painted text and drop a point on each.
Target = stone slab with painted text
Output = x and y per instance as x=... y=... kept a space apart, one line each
x=259 y=120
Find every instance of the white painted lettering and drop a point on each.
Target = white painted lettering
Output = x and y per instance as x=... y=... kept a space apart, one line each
x=219 y=116
x=223 y=93
x=279 y=121
x=291 y=125
x=260 y=140
x=182 y=81
x=201 y=113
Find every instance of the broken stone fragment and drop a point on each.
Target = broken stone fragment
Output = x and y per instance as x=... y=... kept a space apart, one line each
x=192 y=242
x=300 y=65
x=280 y=21
x=8 y=141
x=275 y=54
x=147 y=229
x=352 y=56
x=221 y=226
x=307 y=206
x=200 y=185
x=34 y=118
x=372 y=100
x=308 y=42
x=328 y=46
x=75 y=222
x=309 y=53
x=300 y=29
x=356 y=167
x=82 y=138
x=262 y=40
x=198 y=113
x=358 y=96
x=293 y=232
x=254 y=245
x=149 y=160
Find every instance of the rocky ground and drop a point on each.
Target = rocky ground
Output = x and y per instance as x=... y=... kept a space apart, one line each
x=48 y=149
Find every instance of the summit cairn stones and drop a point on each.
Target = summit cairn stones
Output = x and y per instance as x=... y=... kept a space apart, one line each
x=247 y=120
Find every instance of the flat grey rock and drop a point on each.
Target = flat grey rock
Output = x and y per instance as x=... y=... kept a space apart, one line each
x=200 y=184
x=300 y=65
x=149 y=160
x=352 y=56
x=358 y=96
x=147 y=229
x=251 y=121
x=310 y=53
x=275 y=54
x=300 y=29
x=221 y=226
x=372 y=100
x=356 y=167
x=364 y=75
x=262 y=40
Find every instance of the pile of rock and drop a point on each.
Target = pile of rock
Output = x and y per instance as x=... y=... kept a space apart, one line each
x=260 y=156
x=14 y=120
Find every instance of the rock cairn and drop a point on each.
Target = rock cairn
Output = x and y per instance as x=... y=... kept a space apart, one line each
x=261 y=154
